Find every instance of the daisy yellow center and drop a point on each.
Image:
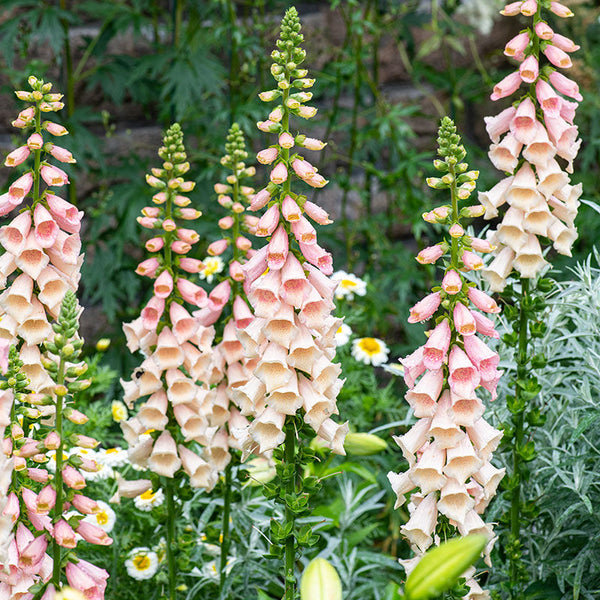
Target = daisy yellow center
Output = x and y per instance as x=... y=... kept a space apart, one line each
x=148 y=495
x=141 y=563
x=369 y=345
x=212 y=266
x=102 y=518
x=339 y=329
x=118 y=413
x=112 y=451
x=348 y=283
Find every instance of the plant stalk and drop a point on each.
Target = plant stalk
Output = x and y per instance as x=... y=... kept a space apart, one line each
x=225 y=528
x=290 y=542
x=58 y=481
x=519 y=423
x=171 y=542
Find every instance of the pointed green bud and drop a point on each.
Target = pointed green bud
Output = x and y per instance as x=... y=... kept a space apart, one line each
x=441 y=567
x=320 y=581
x=364 y=444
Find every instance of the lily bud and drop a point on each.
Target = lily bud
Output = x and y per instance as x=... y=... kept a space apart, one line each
x=320 y=581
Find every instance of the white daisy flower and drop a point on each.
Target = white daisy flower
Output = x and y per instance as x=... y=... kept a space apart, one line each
x=394 y=368
x=119 y=411
x=113 y=457
x=212 y=266
x=342 y=335
x=149 y=500
x=370 y=351
x=210 y=570
x=141 y=564
x=348 y=285
x=51 y=464
x=105 y=518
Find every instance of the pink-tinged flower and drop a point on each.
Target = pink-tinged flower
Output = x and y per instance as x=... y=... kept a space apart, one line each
x=279 y=174
x=430 y=255
x=482 y=301
x=243 y=243
x=413 y=366
x=85 y=505
x=169 y=225
x=62 y=154
x=436 y=347
x=548 y=99
x=303 y=231
x=217 y=247
x=192 y=293
x=189 y=214
x=16 y=157
x=423 y=396
x=155 y=244
x=509 y=85
x=543 y=30
x=482 y=357
x=93 y=534
x=180 y=247
x=267 y=156
x=152 y=312
x=317 y=181
x=46 y=230
x=512 y=9
x=260 y=199
x=480 y=245
x=452 y=282
x=31 y=554
x=64 y=534
x=318 y=257
x=65 y=214
x=163 y=286
x=53 y=176
x=148 y=222
x=20 y=188
x=529 y=8
x=456 y=230
x=219 y=295
x=464 y=321
x=268 y=222
x=148 y=267
x=316 y=213
x=191 y=265
x=564 y=43
x=560 y=10
x=559 y=58
x=463 y=376
x=303 y=169
x=290 y=210
x=35 y=141
x=471 y=261
x=54 y=128
x=286 y=140
x=87 y=578
x=424 y=309
x=164 y=459
x=517 y=45
x=565 y=85
x=278 y=248
x=226 y=222
x=529 y=69
x=484 y=325
x=496 y=126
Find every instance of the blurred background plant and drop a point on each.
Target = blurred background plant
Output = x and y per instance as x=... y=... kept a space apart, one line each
x=387 y=71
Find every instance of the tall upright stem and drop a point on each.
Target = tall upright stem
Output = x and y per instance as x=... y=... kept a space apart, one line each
x=69 y=85
x=290 y=542
x=225 y=527
x=518 y=420
x=234 y=64
x=58 y=482
x=171 y=542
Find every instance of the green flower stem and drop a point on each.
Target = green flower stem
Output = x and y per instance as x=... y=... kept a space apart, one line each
x=455 y=217
x=58 y=481
x=171 y=541
x=518 y=420
x=37 y=154
x=290 y=542
x=225 y=528
x=70 y=86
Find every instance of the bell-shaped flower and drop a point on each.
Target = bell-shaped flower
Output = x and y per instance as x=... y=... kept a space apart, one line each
x=164 y=459
x=421 y=525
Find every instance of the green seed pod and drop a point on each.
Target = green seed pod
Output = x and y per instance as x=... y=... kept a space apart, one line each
x=440 y=568
x=364 y=444
x=320 y=581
